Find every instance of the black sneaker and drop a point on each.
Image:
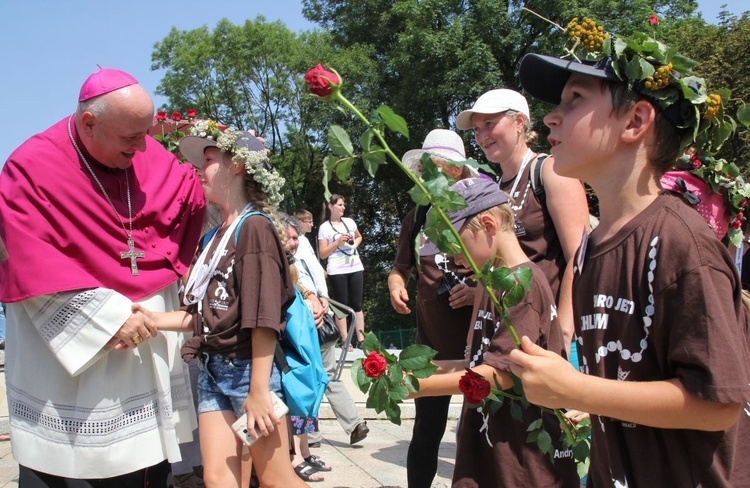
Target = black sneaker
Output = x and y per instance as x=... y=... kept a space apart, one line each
x=359 y=433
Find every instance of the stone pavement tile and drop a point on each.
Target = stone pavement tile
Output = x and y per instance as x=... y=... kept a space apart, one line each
x=377 y=461
x=380 y=459
x=8 y=467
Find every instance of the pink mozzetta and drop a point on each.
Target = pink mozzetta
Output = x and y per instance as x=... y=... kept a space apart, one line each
x=104 y=81
x=712 y=206
x=61 y=234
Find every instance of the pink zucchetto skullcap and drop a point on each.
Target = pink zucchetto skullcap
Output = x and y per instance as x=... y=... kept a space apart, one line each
x=698 y=194
x=104 y=81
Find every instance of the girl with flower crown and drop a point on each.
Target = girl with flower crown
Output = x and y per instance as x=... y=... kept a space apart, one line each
x=234 y=303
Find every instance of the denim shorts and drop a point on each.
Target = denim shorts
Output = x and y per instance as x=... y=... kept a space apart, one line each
x=224 y=383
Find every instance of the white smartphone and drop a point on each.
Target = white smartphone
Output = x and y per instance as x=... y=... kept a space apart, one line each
x=240 y=425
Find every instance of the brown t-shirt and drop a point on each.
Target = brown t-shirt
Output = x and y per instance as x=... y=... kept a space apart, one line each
x=535 y=229
x=250 y=288
x=511 y=461
x=438 y=325
x=661 y=300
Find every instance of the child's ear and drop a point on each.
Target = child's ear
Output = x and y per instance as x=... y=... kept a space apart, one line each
x=488 y=224
x=641 y=118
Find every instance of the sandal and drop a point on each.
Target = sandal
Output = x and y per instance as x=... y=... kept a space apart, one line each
x=317 y=463
x=306 y=473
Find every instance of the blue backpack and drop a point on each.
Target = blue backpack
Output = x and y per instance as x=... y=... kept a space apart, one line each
x=297 y=351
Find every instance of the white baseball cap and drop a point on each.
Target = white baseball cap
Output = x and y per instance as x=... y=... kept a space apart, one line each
x=494 y=102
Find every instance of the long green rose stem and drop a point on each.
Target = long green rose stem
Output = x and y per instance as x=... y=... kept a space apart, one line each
x=557 y=412
x=437 y=208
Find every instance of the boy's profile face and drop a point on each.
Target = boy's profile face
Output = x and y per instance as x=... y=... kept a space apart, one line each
x=584 y=131
x=479 y=245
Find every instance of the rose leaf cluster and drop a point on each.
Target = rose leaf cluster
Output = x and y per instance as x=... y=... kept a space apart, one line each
x=387 y=379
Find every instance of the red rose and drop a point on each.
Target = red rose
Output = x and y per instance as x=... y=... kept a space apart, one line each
x=161 y=116
x=374 y=365
x=176 y=116
x=653 y=20
x=191 y=113
x=318 y=78
x=474 y=387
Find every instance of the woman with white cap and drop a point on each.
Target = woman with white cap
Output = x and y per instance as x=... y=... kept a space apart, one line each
x=444 y=303
x=551 y=217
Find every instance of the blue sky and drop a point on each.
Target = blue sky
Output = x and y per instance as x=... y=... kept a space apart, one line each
x=51 y=46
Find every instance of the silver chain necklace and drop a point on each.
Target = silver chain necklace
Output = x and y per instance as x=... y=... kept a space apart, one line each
x=131 y=253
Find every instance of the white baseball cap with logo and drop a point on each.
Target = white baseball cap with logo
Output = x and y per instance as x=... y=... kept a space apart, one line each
x=494 y=102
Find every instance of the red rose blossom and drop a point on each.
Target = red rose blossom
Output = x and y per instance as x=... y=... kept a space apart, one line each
x=176 y=116
x=374 y=365
x=191 y=113
x=474 y=387
x=318 y=79
x=161 y=116
x=653 y=20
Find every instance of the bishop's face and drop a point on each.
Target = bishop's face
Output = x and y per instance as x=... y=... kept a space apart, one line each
x=115 y=135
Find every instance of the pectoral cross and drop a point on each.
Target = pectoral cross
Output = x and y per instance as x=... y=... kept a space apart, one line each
x=132 y=254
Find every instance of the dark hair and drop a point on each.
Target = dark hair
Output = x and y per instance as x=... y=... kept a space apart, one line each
x=326 y=214
x=667 y=137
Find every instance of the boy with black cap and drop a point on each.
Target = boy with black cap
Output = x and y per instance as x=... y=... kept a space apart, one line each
x=492 y=449
x=659 y=321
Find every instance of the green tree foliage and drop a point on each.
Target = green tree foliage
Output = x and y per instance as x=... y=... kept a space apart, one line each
x=427 y=60
x=723 y=50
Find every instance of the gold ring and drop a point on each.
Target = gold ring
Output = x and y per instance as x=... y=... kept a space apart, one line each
x=137 y=339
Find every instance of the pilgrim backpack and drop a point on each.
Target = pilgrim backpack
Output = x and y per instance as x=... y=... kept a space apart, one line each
x=303 y=377
x=537 y=182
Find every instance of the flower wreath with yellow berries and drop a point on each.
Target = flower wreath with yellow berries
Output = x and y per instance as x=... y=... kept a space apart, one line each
x=657 y=71
x=256 y=162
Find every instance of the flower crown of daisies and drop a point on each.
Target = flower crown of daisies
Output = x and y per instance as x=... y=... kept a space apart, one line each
x=660 y=73
x=256 y=162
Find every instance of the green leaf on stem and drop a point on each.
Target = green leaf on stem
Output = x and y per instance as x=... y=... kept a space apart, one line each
x=396 y=374
x=398 y=393
x=474 y=164
x=378 y=397
x=359 y=377
x=343 y=168
x=339 y=141
x=516 y=412
x=534 y=425
x=393 y=121
x=373 y=159
x=425 y=372
x=544 y=441
x=451 y=200
x=743 y=114
x=371 y=343
x=418 y=196
x=416 y=357
x=366 y=139
x=495 y=406
x=411 y=383
x=393 y=412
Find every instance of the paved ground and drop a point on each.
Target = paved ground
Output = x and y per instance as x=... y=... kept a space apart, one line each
x=379 y=460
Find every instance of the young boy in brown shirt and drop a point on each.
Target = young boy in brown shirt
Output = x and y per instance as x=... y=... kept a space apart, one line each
x=659 y=321
x=492 y=449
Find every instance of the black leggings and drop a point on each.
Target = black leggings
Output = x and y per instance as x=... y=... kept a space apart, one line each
x=430 y=419
x=347 y=289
